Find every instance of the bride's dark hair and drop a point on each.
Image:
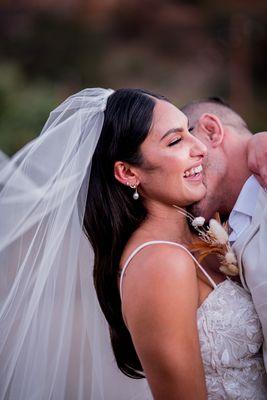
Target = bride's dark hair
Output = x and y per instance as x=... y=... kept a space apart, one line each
x=111 y=214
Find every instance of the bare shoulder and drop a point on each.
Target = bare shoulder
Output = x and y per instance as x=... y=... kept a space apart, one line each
x=159 y=275
x=170 y=257
x=159 y=261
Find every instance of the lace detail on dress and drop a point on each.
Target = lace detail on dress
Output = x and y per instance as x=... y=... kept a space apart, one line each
x=230 y=340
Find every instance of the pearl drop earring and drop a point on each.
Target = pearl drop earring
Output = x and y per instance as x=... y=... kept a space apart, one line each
x=136 y=194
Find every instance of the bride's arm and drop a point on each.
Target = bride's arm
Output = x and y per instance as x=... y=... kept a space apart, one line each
x=160 y=300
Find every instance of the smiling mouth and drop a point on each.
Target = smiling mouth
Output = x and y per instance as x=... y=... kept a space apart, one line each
x=193 y=172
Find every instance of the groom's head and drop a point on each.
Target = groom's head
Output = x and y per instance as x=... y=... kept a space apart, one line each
x=225 y=170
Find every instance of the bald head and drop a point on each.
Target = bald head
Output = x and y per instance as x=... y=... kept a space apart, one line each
x=218 y=107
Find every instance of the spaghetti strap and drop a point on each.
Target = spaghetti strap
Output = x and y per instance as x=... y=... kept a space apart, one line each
x=139 y=248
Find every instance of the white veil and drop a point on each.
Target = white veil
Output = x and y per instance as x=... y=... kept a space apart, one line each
x=54 y=340
x=3 y=159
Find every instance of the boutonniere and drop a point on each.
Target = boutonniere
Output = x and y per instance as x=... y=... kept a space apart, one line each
x=213 y=239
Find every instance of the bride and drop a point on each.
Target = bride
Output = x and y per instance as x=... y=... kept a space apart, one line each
x=111 y=165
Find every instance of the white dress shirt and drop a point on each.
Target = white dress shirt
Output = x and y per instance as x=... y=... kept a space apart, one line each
x=241 y=215
x=249 y=237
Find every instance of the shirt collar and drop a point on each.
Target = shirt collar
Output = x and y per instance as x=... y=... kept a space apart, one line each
x=246 y=201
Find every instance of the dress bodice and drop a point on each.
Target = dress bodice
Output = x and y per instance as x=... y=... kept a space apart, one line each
x=230 y=338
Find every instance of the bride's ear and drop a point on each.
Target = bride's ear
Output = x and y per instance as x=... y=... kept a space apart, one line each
x=126 y=174
x=212 y=128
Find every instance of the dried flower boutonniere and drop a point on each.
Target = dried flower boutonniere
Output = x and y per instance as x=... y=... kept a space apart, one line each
x=213 y=239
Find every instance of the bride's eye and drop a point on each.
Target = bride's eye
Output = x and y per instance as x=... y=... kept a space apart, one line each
x=174 y=142
x=190 y=129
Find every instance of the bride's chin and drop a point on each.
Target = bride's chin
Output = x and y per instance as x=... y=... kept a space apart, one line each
x=198 y=193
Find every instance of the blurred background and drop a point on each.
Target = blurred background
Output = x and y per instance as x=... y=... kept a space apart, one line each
x=183 y=49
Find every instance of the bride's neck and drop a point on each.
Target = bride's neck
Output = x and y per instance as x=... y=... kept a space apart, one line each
x=166 y=224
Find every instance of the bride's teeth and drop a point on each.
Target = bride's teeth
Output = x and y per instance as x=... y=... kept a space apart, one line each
x=198 y=169
x=193 y=171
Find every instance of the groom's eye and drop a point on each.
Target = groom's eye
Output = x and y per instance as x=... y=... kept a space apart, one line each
x=190 y=129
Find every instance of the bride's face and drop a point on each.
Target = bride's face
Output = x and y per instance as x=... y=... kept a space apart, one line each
x=171 y=172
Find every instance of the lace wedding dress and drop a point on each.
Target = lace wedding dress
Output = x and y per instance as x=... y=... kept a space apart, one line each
x=230 y=340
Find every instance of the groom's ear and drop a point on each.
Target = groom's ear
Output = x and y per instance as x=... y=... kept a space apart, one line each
x=211 y=126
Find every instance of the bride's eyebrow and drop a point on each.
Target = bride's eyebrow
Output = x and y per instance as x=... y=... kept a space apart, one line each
x=172 y=130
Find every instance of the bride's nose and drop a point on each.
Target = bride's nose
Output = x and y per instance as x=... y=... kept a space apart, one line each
x=198 y=148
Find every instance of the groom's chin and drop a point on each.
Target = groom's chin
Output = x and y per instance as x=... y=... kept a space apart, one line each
x=200 y=208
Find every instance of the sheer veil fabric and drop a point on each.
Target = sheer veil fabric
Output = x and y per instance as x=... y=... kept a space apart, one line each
x=3 y=159
x=54 y=340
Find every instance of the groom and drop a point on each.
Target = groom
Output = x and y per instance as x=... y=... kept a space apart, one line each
x=233 y=192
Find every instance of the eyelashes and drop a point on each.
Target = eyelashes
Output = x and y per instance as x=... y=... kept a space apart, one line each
x=174 y=142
